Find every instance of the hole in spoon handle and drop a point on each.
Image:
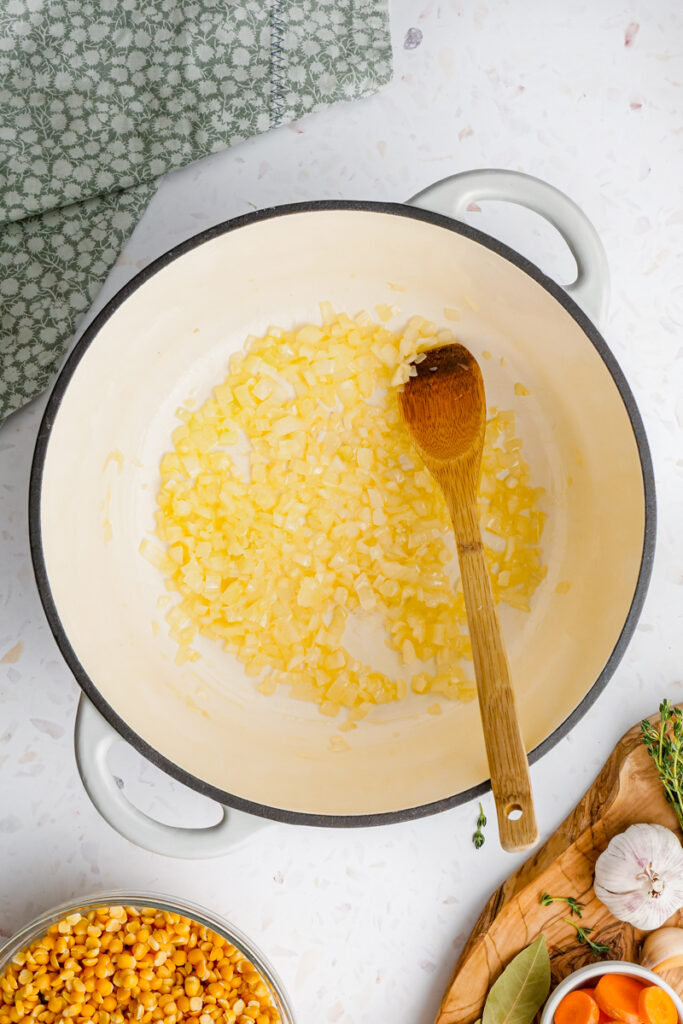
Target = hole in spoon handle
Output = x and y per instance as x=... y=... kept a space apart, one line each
x=517 y=825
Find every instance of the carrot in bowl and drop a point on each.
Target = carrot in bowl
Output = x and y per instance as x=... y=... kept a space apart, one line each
x=656 y=1006
x=604 y=1019
x=617 y=996
x=577 y=1008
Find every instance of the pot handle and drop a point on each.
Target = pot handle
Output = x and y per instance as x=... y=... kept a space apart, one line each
x=94 y=738
x=452 y=195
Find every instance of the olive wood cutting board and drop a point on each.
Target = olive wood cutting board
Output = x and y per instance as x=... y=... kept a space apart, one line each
x=626 y=791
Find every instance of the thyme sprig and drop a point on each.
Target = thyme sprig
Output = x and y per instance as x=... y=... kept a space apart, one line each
x=664 y=743
x=479 y=838
x=574 y=906
x=582 y=933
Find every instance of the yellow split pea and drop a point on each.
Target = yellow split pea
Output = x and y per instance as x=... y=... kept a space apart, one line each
x=334 y=517
x=115 y=965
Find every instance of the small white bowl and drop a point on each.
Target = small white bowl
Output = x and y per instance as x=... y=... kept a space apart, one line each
x=588 y=976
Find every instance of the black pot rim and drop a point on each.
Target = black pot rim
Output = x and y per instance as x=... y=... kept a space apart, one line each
x=40 y=569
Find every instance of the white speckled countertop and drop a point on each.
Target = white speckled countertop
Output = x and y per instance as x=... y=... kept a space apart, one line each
x=364 y=926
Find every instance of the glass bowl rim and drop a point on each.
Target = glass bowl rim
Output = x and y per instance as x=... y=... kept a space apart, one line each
x=167 y=904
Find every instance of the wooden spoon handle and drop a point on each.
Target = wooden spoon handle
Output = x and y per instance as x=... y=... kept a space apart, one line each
x=505 y=749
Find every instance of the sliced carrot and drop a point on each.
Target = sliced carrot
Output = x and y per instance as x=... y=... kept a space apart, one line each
x=577 y=1008
x=617 y=996
x=604 y=1019
x=656 y=1006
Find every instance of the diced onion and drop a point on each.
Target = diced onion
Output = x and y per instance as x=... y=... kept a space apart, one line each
x=335 y=518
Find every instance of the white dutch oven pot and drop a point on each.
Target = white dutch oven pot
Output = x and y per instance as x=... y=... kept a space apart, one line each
x=167 y=336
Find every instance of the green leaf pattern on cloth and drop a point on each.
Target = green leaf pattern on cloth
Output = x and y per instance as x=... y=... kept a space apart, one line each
x=105 y=96
x=51 y=268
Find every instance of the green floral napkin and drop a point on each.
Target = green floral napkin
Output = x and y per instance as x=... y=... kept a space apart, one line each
x=97 y=99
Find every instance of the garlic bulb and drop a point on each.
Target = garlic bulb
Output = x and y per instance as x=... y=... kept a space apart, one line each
x=663 y=950
x=639 y=877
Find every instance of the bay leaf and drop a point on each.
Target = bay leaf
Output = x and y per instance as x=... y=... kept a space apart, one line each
x=522 y=988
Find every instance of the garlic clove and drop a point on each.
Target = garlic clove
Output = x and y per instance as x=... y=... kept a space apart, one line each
x=663 y=950
x=639 y=877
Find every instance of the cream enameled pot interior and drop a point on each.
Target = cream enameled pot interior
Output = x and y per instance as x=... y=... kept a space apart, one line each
x=169 y=341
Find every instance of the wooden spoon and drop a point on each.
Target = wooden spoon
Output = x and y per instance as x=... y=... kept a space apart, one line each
x=444 y=407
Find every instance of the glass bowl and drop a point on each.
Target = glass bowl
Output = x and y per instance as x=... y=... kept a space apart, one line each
x=40 y=925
